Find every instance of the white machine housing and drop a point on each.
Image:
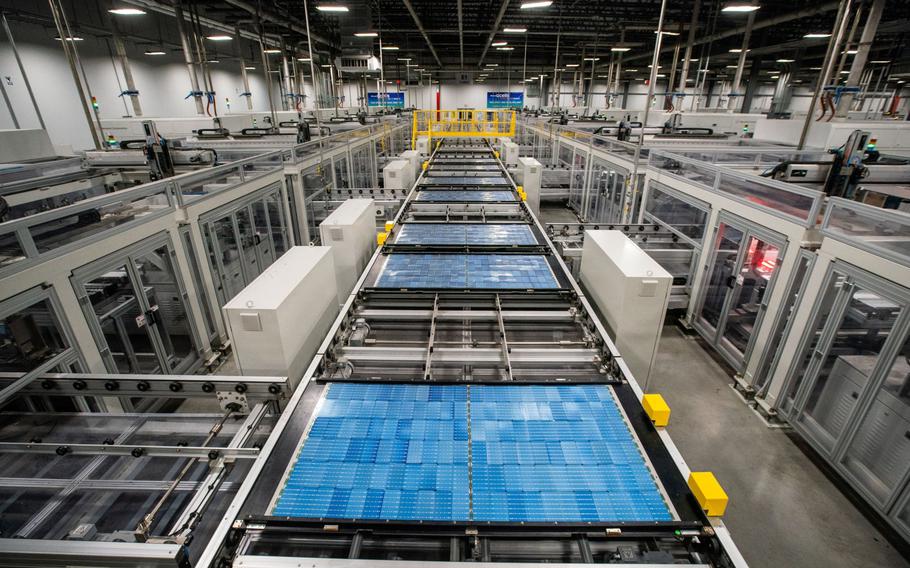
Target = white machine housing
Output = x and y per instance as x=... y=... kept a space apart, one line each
x=350 y=231
x=277 y=322
x=413 y=158
x=632 y=290
x=398 y=174
x=509 y=154
x=423 y=146
x=528 y=177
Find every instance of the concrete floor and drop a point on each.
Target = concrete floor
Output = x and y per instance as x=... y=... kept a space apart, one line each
x=783 y=511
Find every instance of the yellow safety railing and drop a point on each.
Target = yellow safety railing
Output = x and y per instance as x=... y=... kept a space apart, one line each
x=462 y=123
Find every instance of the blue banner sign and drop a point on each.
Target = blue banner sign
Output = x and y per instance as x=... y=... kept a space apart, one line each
x=505 y=100
x=394 y=100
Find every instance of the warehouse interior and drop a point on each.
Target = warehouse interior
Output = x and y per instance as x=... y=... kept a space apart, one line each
x=399 y=283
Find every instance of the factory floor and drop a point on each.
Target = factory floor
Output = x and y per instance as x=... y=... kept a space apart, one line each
x=784 y=512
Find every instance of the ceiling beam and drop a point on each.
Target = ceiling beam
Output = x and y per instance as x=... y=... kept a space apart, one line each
x=423 y=32
x=502 y=12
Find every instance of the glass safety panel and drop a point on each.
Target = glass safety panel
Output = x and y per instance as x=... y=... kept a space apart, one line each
x=723 y=274
x=201 y=289
x=750 y=286
x=277 y=223
x=170 y=319
x=903 y=513
x=248 y=244
x=29 y=337
x=863 y=326
x=341 y=173
x=879 y=454
x=577 y=181
x=782 y=326
x=261 y=233
x=123 y=321
x=681 y=216
x=229 y=265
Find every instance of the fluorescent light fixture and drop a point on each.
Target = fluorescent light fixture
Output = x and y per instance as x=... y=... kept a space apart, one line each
x=248 y=68
x=219 y=38
x=127 y=11
x=366 y=34
x=620 y=49
x=603 y=76
x=844 y=72
x=71 y=38
x=690 y=61
x=571 y=64
x=592 y=58
x=659 y=76
x=412 y=65
x=739 y=8
x=815 y=68
x=499 y=43
x=532 y=5
x=668 y=33
x=271 y=50
x=732 y=66
x=332 y=8
x=304 y=59
x=739 y=50
x=631 y=70
x=505 y=49
x=325 y=65
x=492 y=65
x=212 y=61
x=659 y=66
x=514 y=30
x=816 y=35
x=404 y=59
x=880 y=61
x=155 y=53
x=775 y=76
x=786 y=60
x=851 y=52
x=390 y=48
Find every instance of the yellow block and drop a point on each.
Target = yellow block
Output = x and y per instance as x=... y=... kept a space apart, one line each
x=389 y=225
x=381 y=237
x=496 y=154
x=520 y=188
x=708 y=492
x=425 y=164
x=656 y=408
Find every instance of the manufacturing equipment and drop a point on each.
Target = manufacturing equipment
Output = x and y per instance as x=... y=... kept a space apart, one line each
x=468 y=406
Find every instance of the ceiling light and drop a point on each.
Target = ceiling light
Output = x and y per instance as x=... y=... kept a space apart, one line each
x=844 y=72
x=304 y=59
x=332 y=8
x=620 y=49
x=212 y=61
x=155 y=53
x=775 y=76
x=505 y=49
x=732 y=66
x=250 y=68
x=851 y=52
x=603 y=76
x=571 y=64
x=127 y=11
x=404 y=59
x=631 y=70
x=515 y=30
x=71 y=38
x=739 y=50
x=532 y=5
x=668 y=33
x=492 y=65
x=412 y=65
x=390 y=48
x=499 y=43
x=659 y=76
x=271 y=50
x=366 y=34
x=739 y=8
x=786 y=60
x=219 y=38
x=324 y=65
x=816 y=35
x=880 y=61
x=659 y=66
x=592 y=58
x=690 y=61
x=815 y=68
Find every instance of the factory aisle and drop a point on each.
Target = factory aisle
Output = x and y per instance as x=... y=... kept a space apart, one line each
x=783 y=510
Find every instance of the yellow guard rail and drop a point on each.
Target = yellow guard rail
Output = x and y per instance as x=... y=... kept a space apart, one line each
x=462 y=123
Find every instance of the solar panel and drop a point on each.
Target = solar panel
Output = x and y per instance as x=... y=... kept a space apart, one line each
x=538 y=453
x=464 y=195
x=487 y=271
x=465 y=234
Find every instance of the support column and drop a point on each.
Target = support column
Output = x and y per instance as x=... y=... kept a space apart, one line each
x=247 y=94
x=690 y=43
x=120 y=49
x=752 y=86
x=28 y=85
x=188 y=57
x=861 y=57
x=734 y=96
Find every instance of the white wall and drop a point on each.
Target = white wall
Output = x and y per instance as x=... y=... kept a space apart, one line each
x=162 y=81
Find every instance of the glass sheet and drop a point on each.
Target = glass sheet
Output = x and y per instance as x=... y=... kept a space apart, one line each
x=498 y=271
x=538 y=454
x=464 y=195
x=464 y=234
x=464 y=180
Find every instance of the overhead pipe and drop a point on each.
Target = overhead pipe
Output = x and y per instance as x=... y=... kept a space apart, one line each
x=502 y=13
x=422 y=31
x=127 y=70
x=188 y=57
x=861 y=57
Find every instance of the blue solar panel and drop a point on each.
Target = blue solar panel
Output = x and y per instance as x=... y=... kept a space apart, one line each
x=538 y=454
x=490 y=271
x=464 y=234
x=464 y=195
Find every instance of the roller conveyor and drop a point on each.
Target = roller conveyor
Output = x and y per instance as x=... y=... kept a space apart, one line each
x=468 y=406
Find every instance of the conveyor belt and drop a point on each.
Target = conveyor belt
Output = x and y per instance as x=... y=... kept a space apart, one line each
x=471 y=453
x=484 y=271
x=463 y=195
